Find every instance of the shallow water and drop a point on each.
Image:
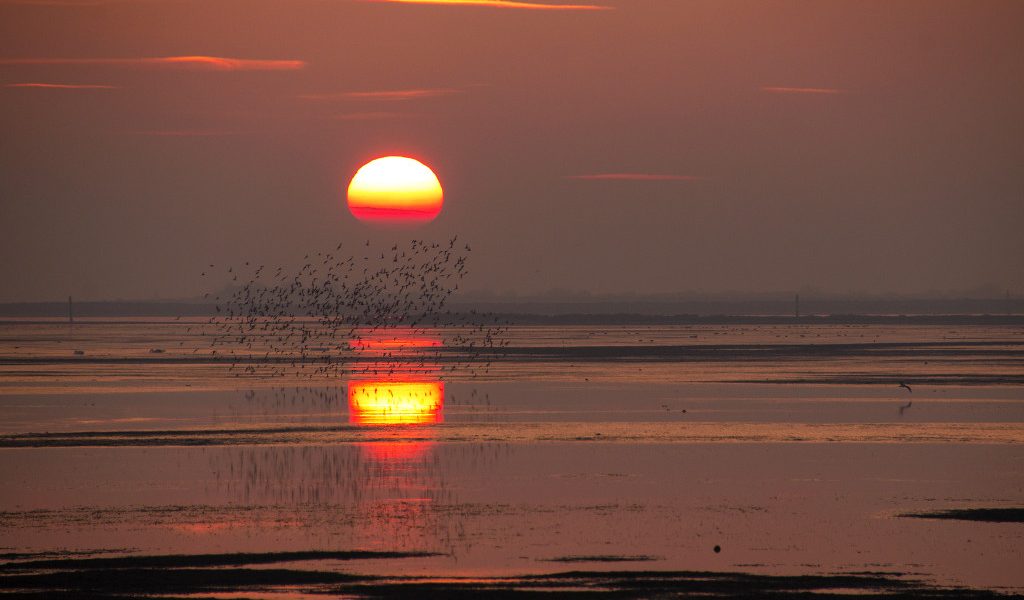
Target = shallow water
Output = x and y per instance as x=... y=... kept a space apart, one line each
x=791 y=448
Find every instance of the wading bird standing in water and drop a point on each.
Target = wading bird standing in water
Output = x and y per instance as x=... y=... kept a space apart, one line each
x=908 y=404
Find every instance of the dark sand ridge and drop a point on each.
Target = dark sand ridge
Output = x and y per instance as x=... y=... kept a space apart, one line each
x=459 y=433
x=730 y=352
x=172 y=575
x=985 y=515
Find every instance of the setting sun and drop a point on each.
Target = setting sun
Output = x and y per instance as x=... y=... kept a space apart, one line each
x=395 y=190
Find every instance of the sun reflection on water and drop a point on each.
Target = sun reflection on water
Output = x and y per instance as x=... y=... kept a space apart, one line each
x=395 y=402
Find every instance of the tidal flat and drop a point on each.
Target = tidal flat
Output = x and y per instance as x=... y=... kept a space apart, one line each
x=726 y=460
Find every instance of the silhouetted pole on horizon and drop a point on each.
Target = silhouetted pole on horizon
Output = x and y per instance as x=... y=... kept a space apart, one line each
x=71 y=314
x=796 y=306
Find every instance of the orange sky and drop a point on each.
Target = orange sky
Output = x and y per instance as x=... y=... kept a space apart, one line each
x=612 y=147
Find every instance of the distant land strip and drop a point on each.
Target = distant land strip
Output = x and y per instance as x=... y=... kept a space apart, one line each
x=982 y=311
x=151 y=315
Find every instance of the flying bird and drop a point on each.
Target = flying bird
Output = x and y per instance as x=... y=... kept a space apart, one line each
x=302 y=319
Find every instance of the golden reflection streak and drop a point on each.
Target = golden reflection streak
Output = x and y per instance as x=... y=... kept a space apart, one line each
x=395 y=403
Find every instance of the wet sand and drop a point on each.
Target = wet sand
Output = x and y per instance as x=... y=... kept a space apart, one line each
x=625 y=455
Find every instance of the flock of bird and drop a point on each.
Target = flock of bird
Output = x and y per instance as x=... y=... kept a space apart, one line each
x=324 y=319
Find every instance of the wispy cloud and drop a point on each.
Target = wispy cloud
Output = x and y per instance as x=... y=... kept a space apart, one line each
x=633 y=177
x=511 y=4
x=204 y=63
x=384 y=95
x=184 y=132
x=71 y=3
x=801 y=90
x=370 y=116
x=61 y=86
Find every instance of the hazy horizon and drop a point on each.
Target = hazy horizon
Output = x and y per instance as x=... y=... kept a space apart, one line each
x=982 y=292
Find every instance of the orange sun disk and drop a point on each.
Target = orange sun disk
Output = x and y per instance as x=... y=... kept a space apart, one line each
x=395 y=190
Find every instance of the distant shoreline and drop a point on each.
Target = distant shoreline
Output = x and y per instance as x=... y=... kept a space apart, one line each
x=741 y=312
x=584 y=320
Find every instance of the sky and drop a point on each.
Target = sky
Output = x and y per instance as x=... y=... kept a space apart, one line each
x=647 y=146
